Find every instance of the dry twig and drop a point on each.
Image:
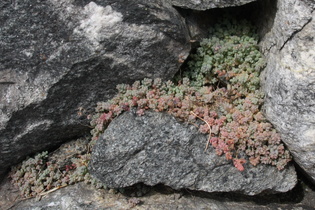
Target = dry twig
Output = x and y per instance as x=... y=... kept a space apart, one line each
x=207 y=145
x=52 y=190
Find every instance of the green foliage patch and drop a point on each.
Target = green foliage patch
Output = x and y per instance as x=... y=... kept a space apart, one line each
x=230 y=56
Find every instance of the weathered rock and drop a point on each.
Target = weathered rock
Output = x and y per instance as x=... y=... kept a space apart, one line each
x=82 y=196
x=156 y=148
x=289 y=79
x=208 y=4
x=58 y=58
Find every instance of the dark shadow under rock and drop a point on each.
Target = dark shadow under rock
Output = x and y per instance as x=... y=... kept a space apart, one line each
x=157 y=149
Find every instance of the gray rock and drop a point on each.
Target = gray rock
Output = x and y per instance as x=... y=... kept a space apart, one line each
x=82 y=196
x=156 y=148
x=289 y=79
x=58 y=58
x=208 y=4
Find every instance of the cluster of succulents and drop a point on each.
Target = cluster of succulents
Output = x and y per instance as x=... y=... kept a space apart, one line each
x=230 y=56
x=44 y=172
x=220 y=86
x=218 y=91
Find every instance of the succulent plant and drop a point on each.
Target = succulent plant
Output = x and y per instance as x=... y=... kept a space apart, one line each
x=43 y=172
x=220 y=86
x=218 y=90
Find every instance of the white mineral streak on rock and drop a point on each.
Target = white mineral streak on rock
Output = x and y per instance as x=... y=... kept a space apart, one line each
x=99 y=22
x=44 y=124
x=60 y=58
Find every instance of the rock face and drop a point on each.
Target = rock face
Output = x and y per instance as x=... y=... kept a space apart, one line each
x=83 y=196
x=289 y=79
x=208 y=4
x=155 y=149
x=58 y=58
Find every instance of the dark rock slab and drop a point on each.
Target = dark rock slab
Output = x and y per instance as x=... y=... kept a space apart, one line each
x=58 y=58
x=208 y=4
x=83 y=196
x=156 y=148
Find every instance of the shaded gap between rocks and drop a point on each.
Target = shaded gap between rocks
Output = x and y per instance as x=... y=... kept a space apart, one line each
x=293 y=196
x=260 y=13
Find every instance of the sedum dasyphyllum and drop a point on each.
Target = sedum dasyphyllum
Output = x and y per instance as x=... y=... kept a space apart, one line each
x=220 y=87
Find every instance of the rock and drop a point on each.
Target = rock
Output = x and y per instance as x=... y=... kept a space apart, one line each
x=208 y=4
x=83 y=196
x=61 y=57
x=289 y=79
x=157 y=149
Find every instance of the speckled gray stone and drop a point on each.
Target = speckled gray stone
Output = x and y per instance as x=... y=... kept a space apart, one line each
x=82 y=196
x=289 y=79
x=156 y=148
x=58 y=58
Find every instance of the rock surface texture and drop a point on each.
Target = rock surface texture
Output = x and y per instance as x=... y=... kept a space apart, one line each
x=82 y=196
x=208 y=4
x=155 y=149
x=58 y=58
x=289 y=79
